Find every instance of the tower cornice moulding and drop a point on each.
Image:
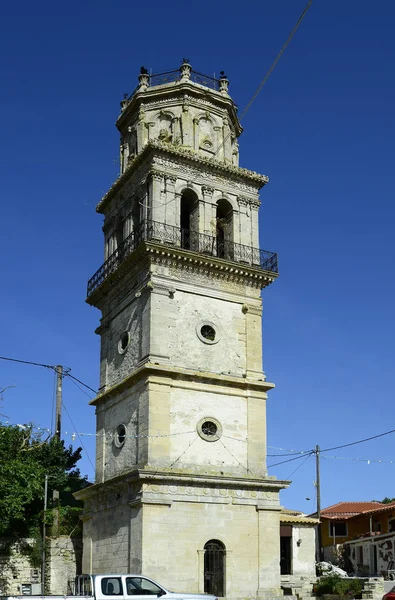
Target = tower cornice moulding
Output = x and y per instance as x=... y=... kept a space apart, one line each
x=204 y=166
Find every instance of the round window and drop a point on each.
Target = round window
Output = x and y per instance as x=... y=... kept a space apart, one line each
x=123 y=342
x=209 y=429
x=120 y=436
x=207 y=332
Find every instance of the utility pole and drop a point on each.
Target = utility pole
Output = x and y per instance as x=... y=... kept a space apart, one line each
x=318 y=487
x=43 y=557
x=58 y=431
x=58 y=417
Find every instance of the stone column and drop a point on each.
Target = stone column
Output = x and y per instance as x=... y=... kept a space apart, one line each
x=177 y=214
x=235 y=152
x=227 y=150
x=141 y=130
x=196 y=134
x=219 y=146
x=176 y=131
x=254 y=207
x=157 y=203
x=123 y=155
x=170 y=201
x=244 y=228
x=149 y=127
x=206 y=225
x=187 y=126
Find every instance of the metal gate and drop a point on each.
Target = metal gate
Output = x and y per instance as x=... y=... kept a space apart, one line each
x=214 y=568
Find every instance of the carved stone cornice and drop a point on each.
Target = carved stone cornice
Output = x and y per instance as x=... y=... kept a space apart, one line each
x=171 y=178
x=157 y=175
x=162 y=483
x=190 y=161
x=210 y=266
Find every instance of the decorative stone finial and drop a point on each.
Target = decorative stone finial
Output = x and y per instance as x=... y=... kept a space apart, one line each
x=223 y=83
x=143 y=79
x=185 y=69
x=124 y=102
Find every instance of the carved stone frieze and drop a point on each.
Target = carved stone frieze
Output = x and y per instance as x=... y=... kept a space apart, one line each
x=207 y=190
x=205 y=272
x=187 y=100
x=210 y=492
x=203 y=174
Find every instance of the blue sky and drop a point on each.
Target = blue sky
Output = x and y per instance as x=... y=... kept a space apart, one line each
x=322 y=129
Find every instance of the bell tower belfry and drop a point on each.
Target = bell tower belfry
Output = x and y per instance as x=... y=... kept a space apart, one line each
x=182 y=492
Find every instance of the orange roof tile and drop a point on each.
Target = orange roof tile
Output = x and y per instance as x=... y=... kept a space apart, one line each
x=346 y=510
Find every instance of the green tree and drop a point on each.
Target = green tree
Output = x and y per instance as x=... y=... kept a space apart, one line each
x=25 y=458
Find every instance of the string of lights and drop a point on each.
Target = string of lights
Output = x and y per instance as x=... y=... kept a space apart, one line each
x=110 y=434
x=106 y=434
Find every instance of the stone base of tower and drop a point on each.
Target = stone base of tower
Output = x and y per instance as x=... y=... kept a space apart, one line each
x=163 y=525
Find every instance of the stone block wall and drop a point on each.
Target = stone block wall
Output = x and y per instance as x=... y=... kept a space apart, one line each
x=17 y=576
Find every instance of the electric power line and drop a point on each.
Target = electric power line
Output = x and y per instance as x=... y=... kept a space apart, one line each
x=27 y=362
x=81 y=382
x=299 y=466
x=269 y=72
x=373 y=437
x=79 y=437
x=290 y=460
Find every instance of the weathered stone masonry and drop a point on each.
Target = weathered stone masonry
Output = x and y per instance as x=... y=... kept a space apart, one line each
x=181 y=412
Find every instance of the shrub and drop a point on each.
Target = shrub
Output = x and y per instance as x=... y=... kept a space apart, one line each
x=341 y=586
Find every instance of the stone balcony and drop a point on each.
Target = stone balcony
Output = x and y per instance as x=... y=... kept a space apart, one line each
x=192 y=241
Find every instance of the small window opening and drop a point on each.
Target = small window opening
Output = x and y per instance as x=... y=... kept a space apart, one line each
x=120 y=436
x=123 y=342
x=209 y=428
x=208 y=332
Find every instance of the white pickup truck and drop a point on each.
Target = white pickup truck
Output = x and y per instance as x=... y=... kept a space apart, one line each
x=118 y=587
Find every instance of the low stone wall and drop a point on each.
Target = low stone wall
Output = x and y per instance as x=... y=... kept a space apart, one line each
x=17 y=576
x=373 y=588
x=15 y=568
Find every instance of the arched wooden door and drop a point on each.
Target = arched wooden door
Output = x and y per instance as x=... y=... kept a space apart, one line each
x=214 y=568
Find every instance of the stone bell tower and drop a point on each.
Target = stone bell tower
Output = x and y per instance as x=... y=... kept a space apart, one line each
x=182 y=492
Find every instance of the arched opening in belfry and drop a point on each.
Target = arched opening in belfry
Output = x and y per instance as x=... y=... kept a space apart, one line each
x=189 y=218
x=214 y=568
x=224 y=231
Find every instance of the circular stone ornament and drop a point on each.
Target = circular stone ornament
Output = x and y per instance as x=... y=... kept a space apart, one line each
x=209 y=429
x=124 y=342
x=120 y=436
x=207 y=332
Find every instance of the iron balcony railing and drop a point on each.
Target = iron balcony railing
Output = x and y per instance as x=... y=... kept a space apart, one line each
x=175 y=76
x=188 y=240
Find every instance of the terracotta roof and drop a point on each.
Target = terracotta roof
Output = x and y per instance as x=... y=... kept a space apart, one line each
x=289 y=511
x=346 y=510
x=295 y=516
x=302 y=520
x=383 y=508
